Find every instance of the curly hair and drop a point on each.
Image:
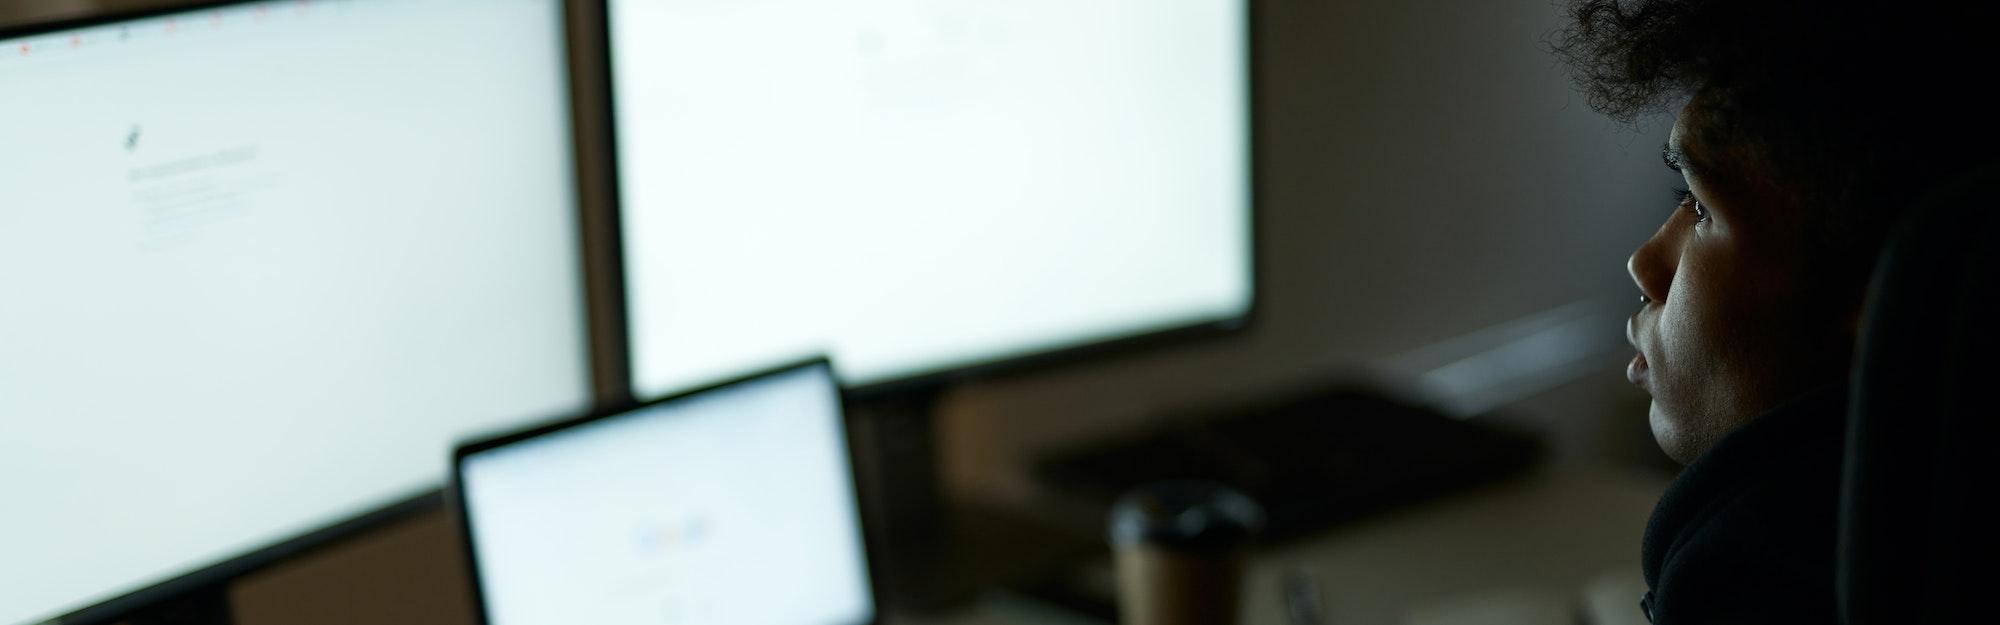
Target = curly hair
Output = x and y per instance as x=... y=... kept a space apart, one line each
x=1851 y=107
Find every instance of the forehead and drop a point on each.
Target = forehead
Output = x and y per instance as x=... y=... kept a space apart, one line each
x=1685 y=149
x=1700 y=144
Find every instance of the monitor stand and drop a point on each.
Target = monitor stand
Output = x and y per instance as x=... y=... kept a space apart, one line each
x=202 y=605
x=932 y=553
x=895 y=448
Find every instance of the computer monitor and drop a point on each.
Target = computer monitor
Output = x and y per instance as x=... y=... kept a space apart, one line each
x=923 y=188
x=263 y=263
x=732 y=505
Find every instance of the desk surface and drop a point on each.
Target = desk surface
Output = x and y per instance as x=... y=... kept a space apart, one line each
x=1519 y=552
x=1505 y=553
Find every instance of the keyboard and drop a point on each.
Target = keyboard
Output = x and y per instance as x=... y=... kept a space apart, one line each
x=1314 y=459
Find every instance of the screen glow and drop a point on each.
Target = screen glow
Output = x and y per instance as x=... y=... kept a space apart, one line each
x=920 y=185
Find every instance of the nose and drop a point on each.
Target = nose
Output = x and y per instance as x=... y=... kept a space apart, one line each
x=1652 y=265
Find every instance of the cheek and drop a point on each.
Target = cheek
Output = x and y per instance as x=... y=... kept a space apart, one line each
x=1699 y=330
x=1691 y=317
x=1722 y=332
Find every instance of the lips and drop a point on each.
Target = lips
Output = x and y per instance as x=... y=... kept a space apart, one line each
x=1636 y=371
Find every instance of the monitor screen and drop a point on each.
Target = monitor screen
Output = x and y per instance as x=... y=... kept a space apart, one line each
x=262 y=265
x=921 y=186
x=733 y=506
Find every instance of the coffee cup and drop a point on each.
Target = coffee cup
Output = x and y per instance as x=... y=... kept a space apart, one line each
x=1179 y=549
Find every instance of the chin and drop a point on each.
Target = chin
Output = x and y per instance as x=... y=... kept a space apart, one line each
x=1672 y=436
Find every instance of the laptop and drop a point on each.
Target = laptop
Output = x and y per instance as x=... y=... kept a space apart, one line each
x=730 y=504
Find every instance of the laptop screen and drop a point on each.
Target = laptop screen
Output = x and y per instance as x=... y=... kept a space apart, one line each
x=734 y=505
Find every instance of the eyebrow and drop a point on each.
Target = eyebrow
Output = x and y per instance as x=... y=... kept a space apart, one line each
x=1674 y=158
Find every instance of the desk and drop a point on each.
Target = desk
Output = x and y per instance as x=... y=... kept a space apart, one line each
x=1518 y=552
x=1504 y=553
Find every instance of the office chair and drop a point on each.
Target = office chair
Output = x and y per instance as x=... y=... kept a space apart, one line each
x=1921 y=445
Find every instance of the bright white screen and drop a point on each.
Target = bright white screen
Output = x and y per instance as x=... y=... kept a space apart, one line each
x=731 y=507
x=261 y=266
x=914 y=185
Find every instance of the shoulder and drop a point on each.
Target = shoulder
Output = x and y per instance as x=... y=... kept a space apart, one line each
x=1752 y=537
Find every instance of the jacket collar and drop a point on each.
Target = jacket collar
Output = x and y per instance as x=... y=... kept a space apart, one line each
x=1762 y=449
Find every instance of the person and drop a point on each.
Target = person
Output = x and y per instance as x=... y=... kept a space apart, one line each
x=1803 y=130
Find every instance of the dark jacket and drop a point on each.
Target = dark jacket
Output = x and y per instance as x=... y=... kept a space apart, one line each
x=1746 y=534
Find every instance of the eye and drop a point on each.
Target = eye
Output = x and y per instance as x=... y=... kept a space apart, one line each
x=1684 y=200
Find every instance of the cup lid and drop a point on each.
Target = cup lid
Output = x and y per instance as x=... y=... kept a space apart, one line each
x=1186 y=514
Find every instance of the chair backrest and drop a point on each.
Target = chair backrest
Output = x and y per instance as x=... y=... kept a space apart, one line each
x=1921 y=448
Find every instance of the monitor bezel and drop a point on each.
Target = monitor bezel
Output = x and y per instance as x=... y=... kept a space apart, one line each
x=211 y=577
x=1100 y=347
x=95 y=17
x=455 y=492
